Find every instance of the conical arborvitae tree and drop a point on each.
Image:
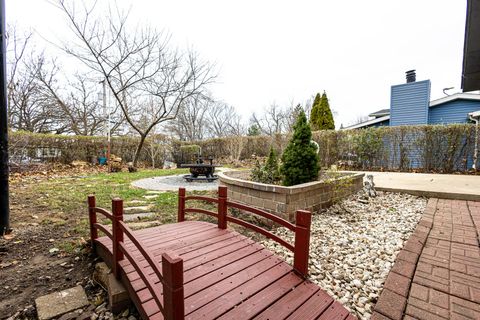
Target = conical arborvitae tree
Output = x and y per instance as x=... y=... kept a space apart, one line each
x=300 y=158
x=321 y=117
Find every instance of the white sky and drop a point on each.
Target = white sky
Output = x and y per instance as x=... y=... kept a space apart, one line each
x=278 y=51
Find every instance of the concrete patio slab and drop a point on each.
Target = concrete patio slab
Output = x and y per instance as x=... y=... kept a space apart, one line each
x=445 y=186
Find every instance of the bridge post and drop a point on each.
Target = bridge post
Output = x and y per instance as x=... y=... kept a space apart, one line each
x=92 y=218
x=303 y=220
x=181 y=205
x=173 y=299
x=117 y=211
x=222 y=207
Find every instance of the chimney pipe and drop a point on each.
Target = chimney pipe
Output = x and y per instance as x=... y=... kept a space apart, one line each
x=411 y=76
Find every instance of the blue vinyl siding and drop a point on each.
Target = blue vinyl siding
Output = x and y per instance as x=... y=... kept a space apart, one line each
x=409 y=103
x=455 y=111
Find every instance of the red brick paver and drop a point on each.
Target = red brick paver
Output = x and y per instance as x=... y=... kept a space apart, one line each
x=437 y=273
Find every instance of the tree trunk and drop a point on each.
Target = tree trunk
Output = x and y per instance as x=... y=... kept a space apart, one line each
x=139 y=149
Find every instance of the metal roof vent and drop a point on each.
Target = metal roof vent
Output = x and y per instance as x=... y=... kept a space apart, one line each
x=411 y=76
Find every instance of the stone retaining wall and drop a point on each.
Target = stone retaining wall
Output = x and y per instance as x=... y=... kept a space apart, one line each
x=284 y=201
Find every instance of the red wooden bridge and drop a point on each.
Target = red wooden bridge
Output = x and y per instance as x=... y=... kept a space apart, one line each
x=200 y=270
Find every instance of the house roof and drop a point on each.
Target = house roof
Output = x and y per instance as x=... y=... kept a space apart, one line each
x=380 y=113
x=367 y=123
x=384 y=114
x=465 y=96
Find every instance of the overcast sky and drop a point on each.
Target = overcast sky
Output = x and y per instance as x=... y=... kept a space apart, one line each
x=278 y=51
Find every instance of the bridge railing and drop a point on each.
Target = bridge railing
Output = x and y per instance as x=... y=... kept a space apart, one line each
x=301 y=228
x=170 y=274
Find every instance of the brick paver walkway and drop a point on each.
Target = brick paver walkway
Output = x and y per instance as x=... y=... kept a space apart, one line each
x=437 y=273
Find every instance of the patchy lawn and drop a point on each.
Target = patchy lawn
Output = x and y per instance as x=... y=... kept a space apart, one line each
x=49 y=251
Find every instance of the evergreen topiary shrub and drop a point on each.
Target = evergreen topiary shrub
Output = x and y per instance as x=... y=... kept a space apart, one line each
x=300 y=158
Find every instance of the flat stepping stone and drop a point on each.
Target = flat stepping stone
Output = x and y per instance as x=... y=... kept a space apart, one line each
x=58 y=303
x=138 y=216
x=153 y=196
x=137 y=209
x=136 y=202
x=154 y=192
x=143 y=224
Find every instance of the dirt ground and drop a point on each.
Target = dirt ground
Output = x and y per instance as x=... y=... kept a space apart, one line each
x=37 y=258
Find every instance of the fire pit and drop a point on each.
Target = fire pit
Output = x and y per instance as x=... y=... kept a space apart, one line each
x=200 y=171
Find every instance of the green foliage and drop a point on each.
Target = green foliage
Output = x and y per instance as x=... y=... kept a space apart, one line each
x=300 y=158
x=321 y=117
x=268 y=172
x=254 y=130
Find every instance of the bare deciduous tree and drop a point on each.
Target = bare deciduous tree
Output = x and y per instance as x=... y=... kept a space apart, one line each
x=272 y=121
x=148 y=80
x=222 y=119
x=29 y=109
x=191 y=122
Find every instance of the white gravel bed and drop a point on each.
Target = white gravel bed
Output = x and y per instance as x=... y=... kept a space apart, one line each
x=353 y=246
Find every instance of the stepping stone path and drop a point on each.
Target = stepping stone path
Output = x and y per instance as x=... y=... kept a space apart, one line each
x=139 y=209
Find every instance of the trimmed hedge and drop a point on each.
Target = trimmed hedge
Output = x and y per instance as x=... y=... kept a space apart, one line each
x=406 y=148
x=27 y=146
x=437 y=148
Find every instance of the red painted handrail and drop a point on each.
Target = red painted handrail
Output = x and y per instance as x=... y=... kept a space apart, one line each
x=104 y=212
x=262 y=213
x=147 y=279
x=261 y=231
x=140 y=247
x=104 y=229
x=207 y=212
x=301 y=228
x=202 y=198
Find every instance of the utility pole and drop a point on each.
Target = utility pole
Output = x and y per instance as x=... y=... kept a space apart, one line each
x=4 y=204
x=107 y=120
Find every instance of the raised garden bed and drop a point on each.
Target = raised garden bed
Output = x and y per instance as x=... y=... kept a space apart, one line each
x=284 y=201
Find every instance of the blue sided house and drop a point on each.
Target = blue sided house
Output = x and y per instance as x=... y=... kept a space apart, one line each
x=410 y=105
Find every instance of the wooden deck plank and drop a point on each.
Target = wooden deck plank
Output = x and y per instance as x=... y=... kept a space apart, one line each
x=205 y=277
x=214 y=259
x=230 y=268
x=153 y=239
x=229 y=300
x=192 y=241
x=238 y=248
x=335 y=312
x=211 y=293
x=261 y=300
x=159 y=240
x=285 y=306
x=313 y=308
